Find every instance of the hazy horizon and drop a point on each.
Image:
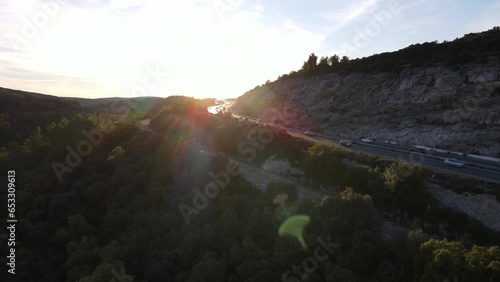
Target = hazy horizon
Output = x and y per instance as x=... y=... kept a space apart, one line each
x=204 y=49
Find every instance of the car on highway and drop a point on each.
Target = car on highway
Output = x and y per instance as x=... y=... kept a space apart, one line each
x=391 y=142
x=345 y=143
x=367 y=140
x=454 y=162
x=417 y=150
x=309 y=133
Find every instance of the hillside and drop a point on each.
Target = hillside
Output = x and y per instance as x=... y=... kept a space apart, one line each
x=107 y=105
x=21 y=111
x=189 y=201
x=450 y=104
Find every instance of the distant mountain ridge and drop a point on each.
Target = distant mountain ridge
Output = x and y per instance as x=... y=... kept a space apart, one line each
x=21 y=111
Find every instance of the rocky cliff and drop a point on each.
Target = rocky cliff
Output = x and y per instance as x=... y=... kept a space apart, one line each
x=450 y=107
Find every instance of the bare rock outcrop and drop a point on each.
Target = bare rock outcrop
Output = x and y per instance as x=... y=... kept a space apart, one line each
x=455 y=108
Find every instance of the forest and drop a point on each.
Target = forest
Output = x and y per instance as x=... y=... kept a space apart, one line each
x=471 y=48
x=119 y=213
x=21 y=112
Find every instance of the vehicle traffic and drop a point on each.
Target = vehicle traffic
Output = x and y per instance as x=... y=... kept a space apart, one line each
x=454 y=162
x=367 y=140
x=309 y=133
x=345 y=143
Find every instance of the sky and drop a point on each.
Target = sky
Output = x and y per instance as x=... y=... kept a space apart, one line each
x=206 y=48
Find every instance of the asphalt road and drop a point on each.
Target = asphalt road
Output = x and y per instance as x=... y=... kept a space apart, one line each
x=477 y=169
x=484 y=170
x=261 y=178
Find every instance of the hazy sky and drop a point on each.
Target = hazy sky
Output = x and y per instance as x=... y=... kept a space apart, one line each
x=206 y=48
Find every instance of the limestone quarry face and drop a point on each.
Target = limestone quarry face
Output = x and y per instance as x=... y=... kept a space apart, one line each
x=453 y=108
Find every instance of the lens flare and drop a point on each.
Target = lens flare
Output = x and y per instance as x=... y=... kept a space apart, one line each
x=294 y=226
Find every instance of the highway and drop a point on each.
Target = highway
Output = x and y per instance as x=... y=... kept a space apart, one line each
x=261 y=178
x=478 y=169
x=484 y=170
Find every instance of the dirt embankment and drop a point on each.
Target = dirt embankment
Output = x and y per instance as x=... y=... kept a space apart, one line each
x=483 y=207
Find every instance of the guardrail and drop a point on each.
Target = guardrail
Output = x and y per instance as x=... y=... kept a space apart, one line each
x=484 y=158
x=474 y=156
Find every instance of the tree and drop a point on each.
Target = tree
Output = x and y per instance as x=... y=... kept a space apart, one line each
x=81 y=258
x=310 y=64
x=275 y=188
x=388 y=271
x=222 y=141
x=323 y=164
x=341 y=274
x=220 y=161
x=406 y=183
x=483 y=263
x=345 y=60
x=363 y=254
x=323 y=65
x=109 y=272
x=323 y=61
x=78 y=227
x=117 y=154
x=442 y=260
x=35 y=141
x=346 y=213
x=208 y=269
x=333 y=60
x=229 y=218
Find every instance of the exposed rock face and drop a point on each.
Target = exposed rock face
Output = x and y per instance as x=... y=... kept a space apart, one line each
x=483 y=207
x=280 y=167
x=456 y=108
